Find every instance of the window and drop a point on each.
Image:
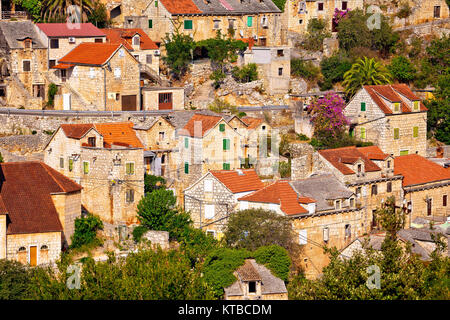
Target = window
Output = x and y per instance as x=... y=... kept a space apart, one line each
x=187 y=24
x=302 y=236
x=186 y=143
x=54 y=43
x=226 y=144
x=363 y=133
x=444 y=200
x=416 y=105
x=222 y=127
x=348 y=231
x=136 y=56
x=326 y=234
x=389 y=164
x=397 y=107
x=216 y=24
x=117 y=73
x=252 y=287
x=51 y=63
x=226 y=166
x=337 y=204
x=70 y=165
x=320 y=6
x=71 y=40
x=117 y=96
x=86 y=167
x=136 y=40
x=437 y=11
x=148 y=58
x=359 y=168
x=263 y=128
x=415 y=132
x=150 y=24
x=344 y=5
x=358 y=191
x=429 y=206
x=280 y=53
x=162 y=135
x=92 y=73
x=396 y=133
x=22 y=249
x=280 y=71
x=374 y=189
x=209 y=211
x=404 y=152
x=249 y=22
x=98 y=40
x=156 y=3
x=27 y=43
x=129 y=167
x=389 y=187
x=363 y=106
x=231 y=24
x=121 y=53
x=186 y=168
x=44 y=247
x=300 y=21
x=61 y=162
x=26 y=65
x=91 y=141
x=129 y=195
x=352 y=202
x=208 y=185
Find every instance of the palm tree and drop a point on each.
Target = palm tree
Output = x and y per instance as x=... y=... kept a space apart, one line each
x=365 y=72
x=57 y=9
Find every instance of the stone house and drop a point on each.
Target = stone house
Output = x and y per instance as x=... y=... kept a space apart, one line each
x=60 y=38
x=255 y=282
x=98 y=76
x=274 y=66
x=163 y=98
x=23 y=64
x=323 y=211
x=212 y=198
x=107 y=159
x=141 y=47
x=426 y=185
x=258 y=19
x=390 y=116
x=366 y=171
x=257 y=130
x=38 y=208
x=299 y=13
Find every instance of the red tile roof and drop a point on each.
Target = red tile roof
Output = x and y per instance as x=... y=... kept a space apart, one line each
x=70 y=30
x=248 y=181
x=418 y=170
x=119 y=133
x=63 y=66
x=206 y=123
x=180 y=6
x=76 y=131
x=26 y=189
x=252 y=123
x=90 y=54
x=338 y=157
x=125 y=37
x=3 y=209
x=373 y=153
x=280 y=192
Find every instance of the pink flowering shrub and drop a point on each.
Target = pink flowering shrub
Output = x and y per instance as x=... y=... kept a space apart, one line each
x=339 y=15
x=327 y=115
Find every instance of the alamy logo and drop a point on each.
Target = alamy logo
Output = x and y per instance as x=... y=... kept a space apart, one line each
x=73 y=281
x=73 y=17
x=374 y=279
x=374 y=21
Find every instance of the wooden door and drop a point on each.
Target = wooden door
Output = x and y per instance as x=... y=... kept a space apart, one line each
x=429 y=206
x=165 y=101
x=33 y=256
x=129 y=103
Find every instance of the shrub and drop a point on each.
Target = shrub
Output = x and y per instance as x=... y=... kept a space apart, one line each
x=405 y=11
x=51 y=92
x=220 y=106
x=307 y=70
x=302 y=137
x=334 y=67
x=138 y=232
x=14 y=280
x=285 y=169
x=217 y=76
x=152 y=183
x=247 y=73
x=86 y=231
x=402 y=69
x=316 y=34
x=275 y=258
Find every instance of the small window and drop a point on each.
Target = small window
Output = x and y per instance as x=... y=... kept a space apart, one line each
x=437 y=12
x=374 y=189
x=348 y=231
x=208 y=185
x=156 y=3
x=344 y=5
x=44 y=247
x=117 y=73
x=389 y=164
x=416 y=105
x=54 y=43
x=186 y=168
x=98 y=40
x=326 y=234
x=320 y=6
x=222 y=127
x=280 y=53
x=216 y=24
x=231 y=24
x=226 y=166
x=136 y=40
x=302 y=236
x=70 y=165
x=129 y=168
x=363 y=106
x=121 y=53
x=136 y=56
x=396 y=133
x=130 y=196
x=209 y=211
x=162 y=136
x=187 y=24
x=415 y=132
x=226 y=144
x=92 y=73
x=149 y=58
x=22 y=249
x=51 y=63
x=211 y=233
x=363 y=133
x=389 y=187
x=337 y=204
x=26 y=64
x=249 y=22
x=86 y=167
x=359 y=168
x=352 y=202
x=150 y=24
x=61 y=163
x=252 y=287
x=300 y=21
x=92 y=142
x=263 y=127
x=397 y=107
x=444 y=200
x=186 y=143
x=27 y=43
x=358 y=191
x=280 y=71
x=71 y=40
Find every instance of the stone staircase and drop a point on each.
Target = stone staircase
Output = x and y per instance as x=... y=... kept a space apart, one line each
x=143 y=68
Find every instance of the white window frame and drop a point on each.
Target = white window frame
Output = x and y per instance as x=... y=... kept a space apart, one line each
x=208 y=208
x=134 y=168
x=302 y=236
x=208 y=185
x=117 y=72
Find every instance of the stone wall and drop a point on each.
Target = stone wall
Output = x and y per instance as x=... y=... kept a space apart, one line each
x=2 y=236
x=68 y=207
x=160 y=238
x=150 y=97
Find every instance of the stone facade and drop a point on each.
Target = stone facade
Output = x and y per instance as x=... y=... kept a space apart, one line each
x=68 y=207
x=158 y=238
x=153 y=98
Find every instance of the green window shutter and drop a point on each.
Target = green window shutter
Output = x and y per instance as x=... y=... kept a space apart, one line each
x=130 y=168
x=150 y=23
x=186 y=143
x=222 y=127
x=396 y=133
x=352 y=132
x=127 y=166
x=86 y=167
x=249 y=21
x=61 y=163
x=188 y=24
x=156 y=3
x=363 y=106
x=70 y=164
x=396 y=107
x=186 y=167
x=363 y=133
x=415 y=132
x=404 y=152
x=226 y=144
x=226 y=166
x=416 y=105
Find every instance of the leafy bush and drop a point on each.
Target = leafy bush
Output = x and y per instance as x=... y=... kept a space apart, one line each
x=220 y=106
x=402 y=69
x=152 y=183
x=334 y=67
x=284 y=168
x=217 y=76
x=280 y=4
x=302 y=137
x=197 y=244
x=178 y=52
x=275 y=258
x=138 y=232
x=405 y=11
x=86 y=231
x=51 y=92
x=14 y=280
x=247 y=73
x=316 y=34
x=304 y=69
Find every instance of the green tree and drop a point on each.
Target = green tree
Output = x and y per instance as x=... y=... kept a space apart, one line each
x=276 y=259
x=152 y=183
x=334 y=67
x=86 y=231
x=33 y=7
x=384 y=39
x=1 y=158
x=179 y=48
x=402 y=69
x=317 y=32
x=99 y=16
x=304 y=69
x=280 y=4
x=353 y=31
x=58 y=9
x=438 y=116
x=158 y=211
x=14 y=280
x=365 y=72
x=247 y=73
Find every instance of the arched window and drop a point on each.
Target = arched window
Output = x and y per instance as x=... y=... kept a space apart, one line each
x=44 y=247
x=22 y=249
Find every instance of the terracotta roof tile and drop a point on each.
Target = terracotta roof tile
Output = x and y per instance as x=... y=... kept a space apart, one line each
x=373 y=153
x=338 y=157
x=65 y=30
x=119 y=133
x=63 y=66
x=76 y=131
x=252 y=123
x=26 y=189
x=180 y=6
x=90 y=54
x=207 y=123
x=248 y=181
x=3 y=209
x=124 y=36
x=417 y=170
x=280 y=192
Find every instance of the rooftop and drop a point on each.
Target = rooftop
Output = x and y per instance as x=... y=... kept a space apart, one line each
x=252 y=123
x=16 y=31
x=125 y=37
x=418 y=170
x=339 y=157
x=220 y=7
x=201 y=122
x=81 y=30
x=89 y=53
x=237 y=181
